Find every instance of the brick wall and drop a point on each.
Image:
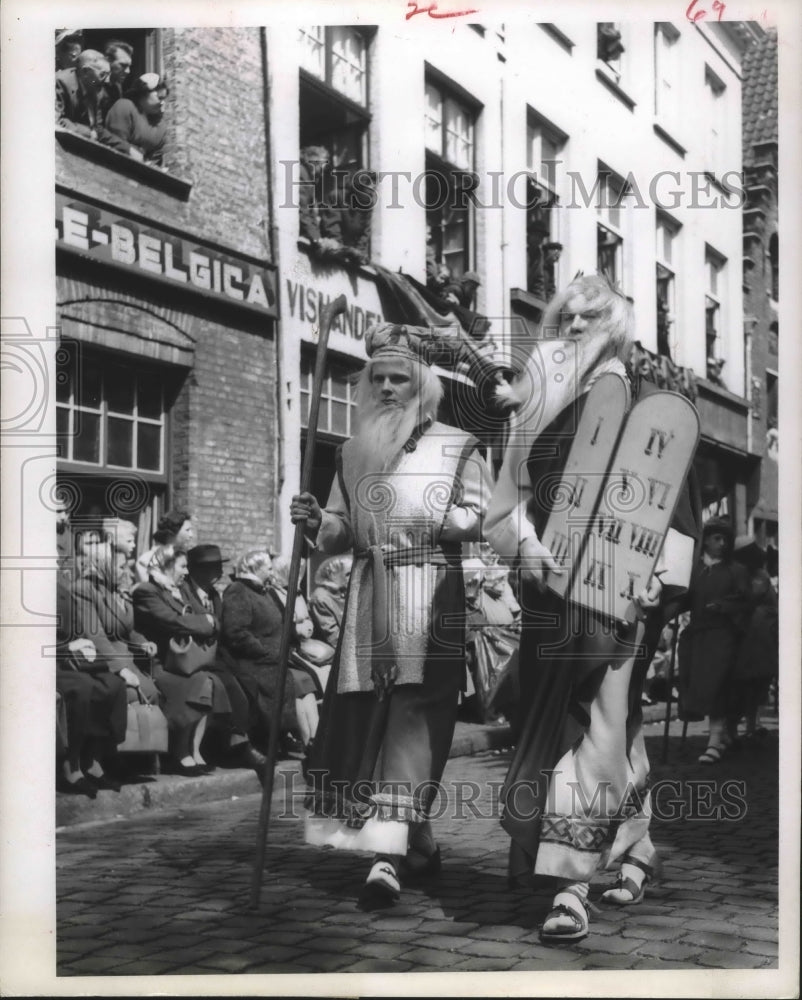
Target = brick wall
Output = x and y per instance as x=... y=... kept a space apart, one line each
x=224 y=439
x=216 y=121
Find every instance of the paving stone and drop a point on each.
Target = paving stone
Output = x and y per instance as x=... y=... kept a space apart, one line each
x=226 y=963
x=647 y=933
x=715 y=939
x=614 y=945
x=396 y=923
x=325 y=961
x=499 y=932
x=491 y=949
x=431 y=958
x=380 y=965
x=768 y=948
x=669 y=950
x=443 y=942
x=447 y=927
x=608 y=962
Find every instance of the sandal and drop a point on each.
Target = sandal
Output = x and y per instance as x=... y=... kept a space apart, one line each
x=383 y=880
x=578 y=927
x=713 y=753
x=626 y=891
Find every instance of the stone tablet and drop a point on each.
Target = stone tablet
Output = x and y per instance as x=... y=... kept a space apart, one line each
x=573 y=495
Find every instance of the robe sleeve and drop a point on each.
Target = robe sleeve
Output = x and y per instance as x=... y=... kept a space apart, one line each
x=334 y=534
x=507 y=521
x=463 y=520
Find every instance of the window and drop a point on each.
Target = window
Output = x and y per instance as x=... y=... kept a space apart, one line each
x=774 y=264
x=609 y=235
x=666 y=232
x=666 y=74
x=771 y=399
x=337 y=398
x=449 y=138
x=716 y=117
x=543 y=248
x=109 y=415
x=610 y=47
x=333 y=140
x=714 y=271
x=145 y=42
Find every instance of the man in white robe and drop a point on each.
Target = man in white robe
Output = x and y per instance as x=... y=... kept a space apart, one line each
x=409 y=491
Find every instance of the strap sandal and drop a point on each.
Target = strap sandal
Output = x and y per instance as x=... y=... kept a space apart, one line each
x=383 y=881
x=626 y=891
x=713 y=753
x=564 y=923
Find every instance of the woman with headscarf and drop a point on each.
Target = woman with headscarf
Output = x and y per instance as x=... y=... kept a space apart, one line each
x=138 y=118
x=161 y=613
x=251 y=632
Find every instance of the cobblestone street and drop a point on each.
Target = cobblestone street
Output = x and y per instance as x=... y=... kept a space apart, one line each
x=167 y=893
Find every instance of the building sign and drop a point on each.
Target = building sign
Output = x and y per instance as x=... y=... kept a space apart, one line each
x=310 y=288
x=101 y=235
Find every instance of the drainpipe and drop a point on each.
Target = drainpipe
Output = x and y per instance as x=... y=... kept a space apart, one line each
x=272 y=234
x=749 y=325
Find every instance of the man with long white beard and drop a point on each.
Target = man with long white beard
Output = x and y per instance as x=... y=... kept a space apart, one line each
x=576 y=797
x=408 y=492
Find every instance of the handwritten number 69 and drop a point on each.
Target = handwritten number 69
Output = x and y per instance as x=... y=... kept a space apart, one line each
x=718 y=8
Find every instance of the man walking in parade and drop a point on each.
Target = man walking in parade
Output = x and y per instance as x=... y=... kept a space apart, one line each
x=408 y=492
x=576 y=795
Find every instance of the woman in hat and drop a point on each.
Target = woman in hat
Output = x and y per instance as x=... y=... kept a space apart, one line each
x=137 y=118
x=719 y=603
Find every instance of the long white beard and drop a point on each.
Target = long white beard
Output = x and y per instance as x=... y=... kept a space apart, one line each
x=382 y=433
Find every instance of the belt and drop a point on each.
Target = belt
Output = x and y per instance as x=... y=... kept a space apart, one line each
x=382 y=556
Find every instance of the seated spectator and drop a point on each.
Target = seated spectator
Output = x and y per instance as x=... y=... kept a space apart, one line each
x=121 y=535
x=106 y=616
x=65 y=542
x=69 y=42
x=82 y=100
x=94 y=703
x=175 y=528
x=161 y=614
x=252 y=624
x=205 y=568
x=119 y=55
x=137 y=119
x=462 y=291
x=327 y=600
x=308 y=676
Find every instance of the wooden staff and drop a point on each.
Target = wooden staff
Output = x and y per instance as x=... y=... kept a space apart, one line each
x=675 y=630
x=326 y=318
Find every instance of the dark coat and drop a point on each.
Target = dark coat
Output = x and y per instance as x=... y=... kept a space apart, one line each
x=106 y=616
x=719 y=604
x=75 y=113
x=128 y=124
x=160 y=617
x=252 y=623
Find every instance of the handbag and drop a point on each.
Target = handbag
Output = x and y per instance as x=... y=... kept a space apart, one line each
x=145 y=728
x=186 y=655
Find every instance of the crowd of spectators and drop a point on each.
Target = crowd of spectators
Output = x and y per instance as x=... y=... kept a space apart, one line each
x=96 y=98
x=162 y=630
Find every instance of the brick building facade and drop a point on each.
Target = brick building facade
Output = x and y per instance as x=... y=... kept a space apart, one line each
x=167 y=377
